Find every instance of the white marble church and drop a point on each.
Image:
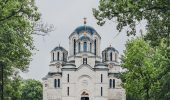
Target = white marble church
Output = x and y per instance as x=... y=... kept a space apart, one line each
x=84 y=74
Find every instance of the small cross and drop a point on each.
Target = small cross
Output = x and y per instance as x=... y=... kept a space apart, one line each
x=85 y=20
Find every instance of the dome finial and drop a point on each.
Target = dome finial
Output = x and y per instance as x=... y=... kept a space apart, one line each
x=85 y=20
x=85 y=25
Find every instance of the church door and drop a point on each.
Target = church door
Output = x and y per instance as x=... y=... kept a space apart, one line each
x=84 y=98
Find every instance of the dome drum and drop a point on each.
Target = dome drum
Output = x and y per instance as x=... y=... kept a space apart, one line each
x=110 y=54
x=84 y=39
x=59 y=54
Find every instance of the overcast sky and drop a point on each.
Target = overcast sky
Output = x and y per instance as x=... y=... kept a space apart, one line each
x=66 y=15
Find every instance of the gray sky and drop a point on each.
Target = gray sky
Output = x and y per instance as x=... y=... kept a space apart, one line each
x=66 y=15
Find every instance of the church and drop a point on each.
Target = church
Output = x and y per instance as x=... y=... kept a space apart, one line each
x=83 y=72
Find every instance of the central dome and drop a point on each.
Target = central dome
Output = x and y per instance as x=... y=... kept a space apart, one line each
x=89 y=29
x=84 y=39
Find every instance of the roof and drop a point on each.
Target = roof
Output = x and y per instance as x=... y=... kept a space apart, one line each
x=59 y=48
x=83 y=28
x=110 y=48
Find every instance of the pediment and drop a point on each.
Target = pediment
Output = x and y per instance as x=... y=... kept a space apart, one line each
x=85 y=66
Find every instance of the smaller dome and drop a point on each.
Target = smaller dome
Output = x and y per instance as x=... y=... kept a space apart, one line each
x=59 y=54
x=59 y=48
x=110 y=54
x=110 y=48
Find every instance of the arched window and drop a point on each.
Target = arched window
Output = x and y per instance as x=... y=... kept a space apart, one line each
x=55 y=83
x=58 y=55
x=101 y=78
x=53 y=56
x=85 y=46
x=58 y=82
x=74 y=46
x=111 y=56
x=110 y=83
x=84 y=60
x=90 y=47
x=79 y=47
x=113 y=83
x=68 y=91
x=95 y=47
x=101 y=91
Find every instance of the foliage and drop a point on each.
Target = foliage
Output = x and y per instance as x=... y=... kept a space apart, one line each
x=19 y=89
x=13 y=88
x=163 y=61
x=131 y=12
x=152 y=55
x=16 y=23
x=19 y=19
x=141 y=71
x=32 y=90
x=145 y=66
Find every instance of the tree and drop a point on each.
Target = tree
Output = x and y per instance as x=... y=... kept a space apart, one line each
x=31 y=90
x=130 y=12
x=13 y=87
x=18 y=21
x=141 y=76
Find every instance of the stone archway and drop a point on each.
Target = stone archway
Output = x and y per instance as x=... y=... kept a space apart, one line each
x=84 y=96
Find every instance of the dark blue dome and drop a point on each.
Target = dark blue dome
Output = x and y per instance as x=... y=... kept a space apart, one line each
x=110 y=48
x=85 y=28
x=59 y=48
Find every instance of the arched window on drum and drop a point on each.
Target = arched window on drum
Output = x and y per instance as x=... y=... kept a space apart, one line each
x=90 y=47
x=58 y=56
x=111 y=56
x=85 y=47
x=79 y=47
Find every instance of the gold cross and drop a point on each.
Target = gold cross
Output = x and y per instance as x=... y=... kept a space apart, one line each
x=85 y=20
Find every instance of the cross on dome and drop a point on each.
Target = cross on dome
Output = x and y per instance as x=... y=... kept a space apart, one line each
x=85 y=20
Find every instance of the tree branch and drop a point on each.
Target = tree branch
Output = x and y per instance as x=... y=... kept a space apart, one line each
x=12 y=14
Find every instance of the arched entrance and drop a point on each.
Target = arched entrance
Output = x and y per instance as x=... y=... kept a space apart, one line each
x=84 y=96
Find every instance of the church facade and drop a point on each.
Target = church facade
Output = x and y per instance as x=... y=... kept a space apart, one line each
x=83 y=74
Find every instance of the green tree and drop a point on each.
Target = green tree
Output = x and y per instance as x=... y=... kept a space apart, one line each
x=19 y=19
x=128 y=13
x=31 y=90
x=13 y=87
x=141 y=76
x=16 y=25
